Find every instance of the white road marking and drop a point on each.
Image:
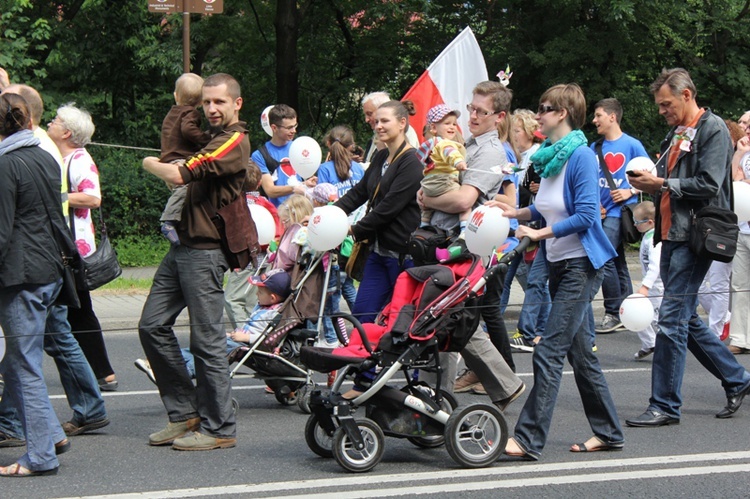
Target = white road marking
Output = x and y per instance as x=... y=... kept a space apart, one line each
x=508 y=469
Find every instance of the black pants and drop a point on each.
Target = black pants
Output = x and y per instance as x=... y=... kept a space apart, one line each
x=493 y=318
x=88 y=332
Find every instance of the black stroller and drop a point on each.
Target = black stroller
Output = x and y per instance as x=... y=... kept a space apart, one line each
x=434 y=309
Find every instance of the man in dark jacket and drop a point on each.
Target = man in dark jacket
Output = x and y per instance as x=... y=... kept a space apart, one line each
x=694 y=172
x=191 y=275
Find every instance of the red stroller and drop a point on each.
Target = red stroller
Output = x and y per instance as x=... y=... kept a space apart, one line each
x=434 y=309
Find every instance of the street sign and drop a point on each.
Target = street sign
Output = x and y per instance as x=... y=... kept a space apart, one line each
x=205 y=6
x=165 y=6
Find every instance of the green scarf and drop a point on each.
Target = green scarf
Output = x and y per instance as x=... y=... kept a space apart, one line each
x=550 y=158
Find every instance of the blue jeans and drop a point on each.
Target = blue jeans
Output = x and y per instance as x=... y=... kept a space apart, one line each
x=348 y=290
x=681 y=329
x=617 y=284
x=23 y=316
x=192 y=278
x=572 y=285
x=76 y=376
x=333 y=297
x=189 y=358
x=536 y=301
x=377 y=285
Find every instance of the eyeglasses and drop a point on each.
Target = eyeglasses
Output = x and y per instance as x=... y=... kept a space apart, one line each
x=291 y=128
x=481 y=113
x=55 y=121
x=639 y=222
x=545 y=109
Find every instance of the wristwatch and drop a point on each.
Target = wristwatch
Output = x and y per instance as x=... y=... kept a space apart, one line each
x=664 y=186
x=633 y=191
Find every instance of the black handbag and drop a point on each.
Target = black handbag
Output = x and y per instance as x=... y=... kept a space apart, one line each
x=100 y=267
x=424 y=241
x=71 y=259
x=713 y=234
x=628 y=231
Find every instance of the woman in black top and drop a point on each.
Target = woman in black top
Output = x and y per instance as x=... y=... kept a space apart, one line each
x=30 y=280
x=390 y=185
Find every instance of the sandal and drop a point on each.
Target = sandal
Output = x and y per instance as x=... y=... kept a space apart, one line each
x=519 y=453
x=16 y=470
x=603 y=447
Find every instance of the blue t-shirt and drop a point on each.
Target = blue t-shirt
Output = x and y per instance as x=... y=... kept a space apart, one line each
x=283 y=173
x=327 y=174
x=511 y=242
x=617 y=154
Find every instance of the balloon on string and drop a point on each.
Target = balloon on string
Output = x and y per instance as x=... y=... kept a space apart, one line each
x=327 y=228
x=264 y=223
x=636 y=312
x=641 y=163
x=305 y=156
x=487 y=229
x=264 y=121
x=742 y=200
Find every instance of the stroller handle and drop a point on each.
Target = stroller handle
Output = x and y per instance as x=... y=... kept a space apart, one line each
x=357 y=325
x=504 y=262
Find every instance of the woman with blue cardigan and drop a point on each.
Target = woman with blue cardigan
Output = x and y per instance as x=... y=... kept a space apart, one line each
x=576 y=250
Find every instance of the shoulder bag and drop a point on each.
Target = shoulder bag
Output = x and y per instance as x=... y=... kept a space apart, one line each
x=101 y=267
x=71 y=259
x=628 y=231
x=239 y=236
x=360 y=251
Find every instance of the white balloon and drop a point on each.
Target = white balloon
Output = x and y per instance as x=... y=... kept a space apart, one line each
x=487 y=229
x=264 y=122
x=327 y=228
x=305 y=156
x=264 y=223
x=641 y=163
x=636 y=312
x=742 y=200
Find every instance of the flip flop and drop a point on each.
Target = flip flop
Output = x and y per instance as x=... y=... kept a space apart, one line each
x=600 y=448
x=15 y=470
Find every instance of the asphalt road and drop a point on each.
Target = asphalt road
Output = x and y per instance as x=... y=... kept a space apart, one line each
x=702 y=457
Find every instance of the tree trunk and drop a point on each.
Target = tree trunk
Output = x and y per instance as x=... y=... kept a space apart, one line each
x=287 y=72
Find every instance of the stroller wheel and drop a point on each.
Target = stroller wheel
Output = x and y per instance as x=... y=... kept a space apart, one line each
x=475 y=435
x=286 y=398
x=235 y=406
x=359 y=461
x=303 y=398
x=317 y=438
x=449 y=405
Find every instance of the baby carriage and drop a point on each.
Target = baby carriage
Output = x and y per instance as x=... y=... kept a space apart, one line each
x=275 y=355
x=434 y=309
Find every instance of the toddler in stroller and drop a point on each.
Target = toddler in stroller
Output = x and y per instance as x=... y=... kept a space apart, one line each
x=434 y=309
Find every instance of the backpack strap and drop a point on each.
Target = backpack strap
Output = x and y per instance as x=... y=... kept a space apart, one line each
x=271 y=163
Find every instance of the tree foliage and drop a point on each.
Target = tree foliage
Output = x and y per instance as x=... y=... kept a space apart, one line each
x=120 y=61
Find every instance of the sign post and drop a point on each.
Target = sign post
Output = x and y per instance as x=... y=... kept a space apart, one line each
x=186 y=7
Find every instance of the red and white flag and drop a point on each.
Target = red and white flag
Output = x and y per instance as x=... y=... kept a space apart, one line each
x=449 y=80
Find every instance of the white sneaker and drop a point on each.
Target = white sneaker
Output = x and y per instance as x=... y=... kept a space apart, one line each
x=323 y=343
x=144 y=366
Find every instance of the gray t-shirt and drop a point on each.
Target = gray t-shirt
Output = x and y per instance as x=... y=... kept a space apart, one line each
x=485 y=159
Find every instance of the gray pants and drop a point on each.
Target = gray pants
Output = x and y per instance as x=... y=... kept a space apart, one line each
x=483 y=358
x=173 y=210
x=191 y=278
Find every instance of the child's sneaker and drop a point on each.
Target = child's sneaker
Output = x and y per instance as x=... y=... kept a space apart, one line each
x=170 y=232
x=643 y=353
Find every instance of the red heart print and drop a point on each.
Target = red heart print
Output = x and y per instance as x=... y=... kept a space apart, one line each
x=614 y=161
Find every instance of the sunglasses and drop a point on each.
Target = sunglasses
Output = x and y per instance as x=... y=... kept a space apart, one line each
x=639 y=222
x=545 y=109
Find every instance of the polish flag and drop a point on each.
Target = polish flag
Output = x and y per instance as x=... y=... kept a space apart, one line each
x=449 y=80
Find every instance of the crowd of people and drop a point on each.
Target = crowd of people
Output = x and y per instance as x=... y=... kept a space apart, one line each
x=566 y=195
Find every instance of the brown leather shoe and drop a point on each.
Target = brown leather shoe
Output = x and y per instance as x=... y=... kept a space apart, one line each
x=174 y=431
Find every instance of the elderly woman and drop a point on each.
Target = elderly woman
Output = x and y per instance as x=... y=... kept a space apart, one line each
x=30 y=280
x=71 y=131
x=390 y=187
x=576 y=250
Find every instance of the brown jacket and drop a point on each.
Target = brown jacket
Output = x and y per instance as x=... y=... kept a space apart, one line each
x=181 y=134
x=215 y=174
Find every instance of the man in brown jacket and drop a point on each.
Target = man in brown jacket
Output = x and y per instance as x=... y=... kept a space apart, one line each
x=191 y=275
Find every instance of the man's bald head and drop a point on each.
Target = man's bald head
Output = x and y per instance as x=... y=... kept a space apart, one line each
x=32 y=98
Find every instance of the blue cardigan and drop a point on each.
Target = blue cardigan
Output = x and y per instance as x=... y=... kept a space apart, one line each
x=581 y=193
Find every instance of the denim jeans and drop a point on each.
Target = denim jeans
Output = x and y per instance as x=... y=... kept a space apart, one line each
x=192 y=278
x=333 y=297
x=377 y=284
x=617 y=284
x=76 y=376
x=189 y=358
x=23 y=317
x=493 y=318
x=680 y=329
x=536 y=300
x=572 y=285
x=348 y=290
